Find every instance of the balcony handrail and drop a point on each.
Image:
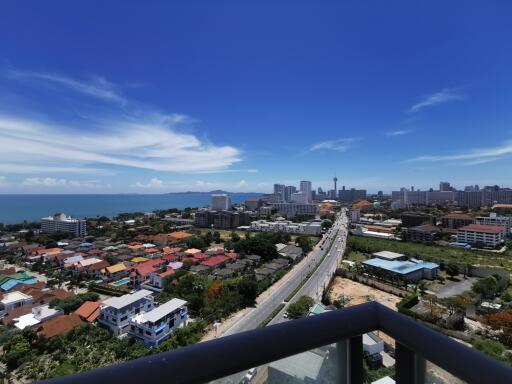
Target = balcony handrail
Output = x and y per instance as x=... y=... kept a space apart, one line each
x=203 y=362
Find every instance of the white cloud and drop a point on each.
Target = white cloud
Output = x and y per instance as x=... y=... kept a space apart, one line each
x=399 y=132
x=96 y=86
x=3 y=180
x=51 y=182
x=437 y=98
x=148 y=142
x=152 y=184
x=474 y=157
x=242 y=184
x=134 y=136
x=44 y=182
x=340 y=145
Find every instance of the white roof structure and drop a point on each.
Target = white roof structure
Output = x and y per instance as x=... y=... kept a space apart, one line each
x=156 y=314
x=26 y=321
x=123 y=301
x=387 y=255
x=13 y=297
x=39 y=314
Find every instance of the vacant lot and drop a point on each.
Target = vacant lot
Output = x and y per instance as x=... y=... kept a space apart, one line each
x=357 y=293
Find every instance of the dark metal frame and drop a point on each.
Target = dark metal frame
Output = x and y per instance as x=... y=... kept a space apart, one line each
x=221 y=357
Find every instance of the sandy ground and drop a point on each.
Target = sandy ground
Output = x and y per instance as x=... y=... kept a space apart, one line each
x=357 y=293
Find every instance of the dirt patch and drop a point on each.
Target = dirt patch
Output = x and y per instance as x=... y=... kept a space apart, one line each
x=356 y=293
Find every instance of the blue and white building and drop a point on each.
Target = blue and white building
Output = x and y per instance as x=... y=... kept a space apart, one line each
x=157 y=325
x=116 y=312
x=409 y=270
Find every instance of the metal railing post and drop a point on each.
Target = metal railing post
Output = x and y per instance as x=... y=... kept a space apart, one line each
x=409 y=366
x=355 y=349
x=342 y=366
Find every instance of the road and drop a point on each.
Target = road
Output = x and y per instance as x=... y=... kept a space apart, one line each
x=333 y=243
x=315 y=284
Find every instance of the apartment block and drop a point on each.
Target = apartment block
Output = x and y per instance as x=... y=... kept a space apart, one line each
x=488 y=235
x=62 y=223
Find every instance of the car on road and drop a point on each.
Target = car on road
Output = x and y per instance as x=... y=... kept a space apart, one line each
x=285 y=315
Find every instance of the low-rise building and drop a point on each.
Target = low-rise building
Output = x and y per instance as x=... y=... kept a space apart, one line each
x=13 y=300
x=456 y=220
x=115 y=313
x=38 y=315
x=281 y=225
x=423 y=234
x=409 y=270
x=156 y=325
x=414 y=219
x=488 y=235
x=494 y=219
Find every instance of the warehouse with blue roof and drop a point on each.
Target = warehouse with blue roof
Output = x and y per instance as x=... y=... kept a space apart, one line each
x=410 y=269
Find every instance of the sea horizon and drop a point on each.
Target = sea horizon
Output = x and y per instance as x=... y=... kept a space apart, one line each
x=17 y=208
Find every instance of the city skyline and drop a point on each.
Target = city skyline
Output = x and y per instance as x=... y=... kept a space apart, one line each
x=226 y=104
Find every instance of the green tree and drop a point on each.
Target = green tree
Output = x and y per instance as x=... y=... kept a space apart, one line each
x=305 y=243
x=300 y=307
x=487 y=286
x=452 y=269
x=216 y=237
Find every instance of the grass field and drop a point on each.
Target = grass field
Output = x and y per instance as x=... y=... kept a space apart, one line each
x=431 y=252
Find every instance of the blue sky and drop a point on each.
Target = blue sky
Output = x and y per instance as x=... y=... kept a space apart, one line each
x=152 y=97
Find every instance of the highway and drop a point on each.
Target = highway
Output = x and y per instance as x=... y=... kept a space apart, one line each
x=314 y=285
x=332 y=246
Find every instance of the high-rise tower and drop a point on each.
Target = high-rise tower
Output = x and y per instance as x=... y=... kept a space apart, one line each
x=335 y=185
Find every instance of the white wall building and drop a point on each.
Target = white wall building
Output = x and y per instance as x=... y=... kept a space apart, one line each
x=116 y=312
x=494 y=219
x=300 y=198
x=12 y=300
x=489 y=235
x=62 y=223
x=38 y=315
x=221 y=202
x=155 y=326
x=306 y=187
x=294 y=209
x=281 y=225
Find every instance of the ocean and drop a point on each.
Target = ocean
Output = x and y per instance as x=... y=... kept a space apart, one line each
x=17 y=208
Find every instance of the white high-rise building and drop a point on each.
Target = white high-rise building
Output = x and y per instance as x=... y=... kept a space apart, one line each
x=306 y=188
x=62 y=223
x=221 y=202
x=299 y=198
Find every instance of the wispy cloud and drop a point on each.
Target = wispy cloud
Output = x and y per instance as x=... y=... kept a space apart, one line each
x=133 y=136
x=153 y=183
x=96 y=86
x=50 y=182
x=399 y=132
x=340 y=145
x=473 y=157
x=444 y=96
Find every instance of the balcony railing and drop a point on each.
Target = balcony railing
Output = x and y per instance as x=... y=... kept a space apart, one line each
x=203 y=362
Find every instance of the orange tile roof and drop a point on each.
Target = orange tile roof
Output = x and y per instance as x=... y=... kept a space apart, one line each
x=180 y=235
x=59 y=325
x=89 y=311
x=492 y=229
